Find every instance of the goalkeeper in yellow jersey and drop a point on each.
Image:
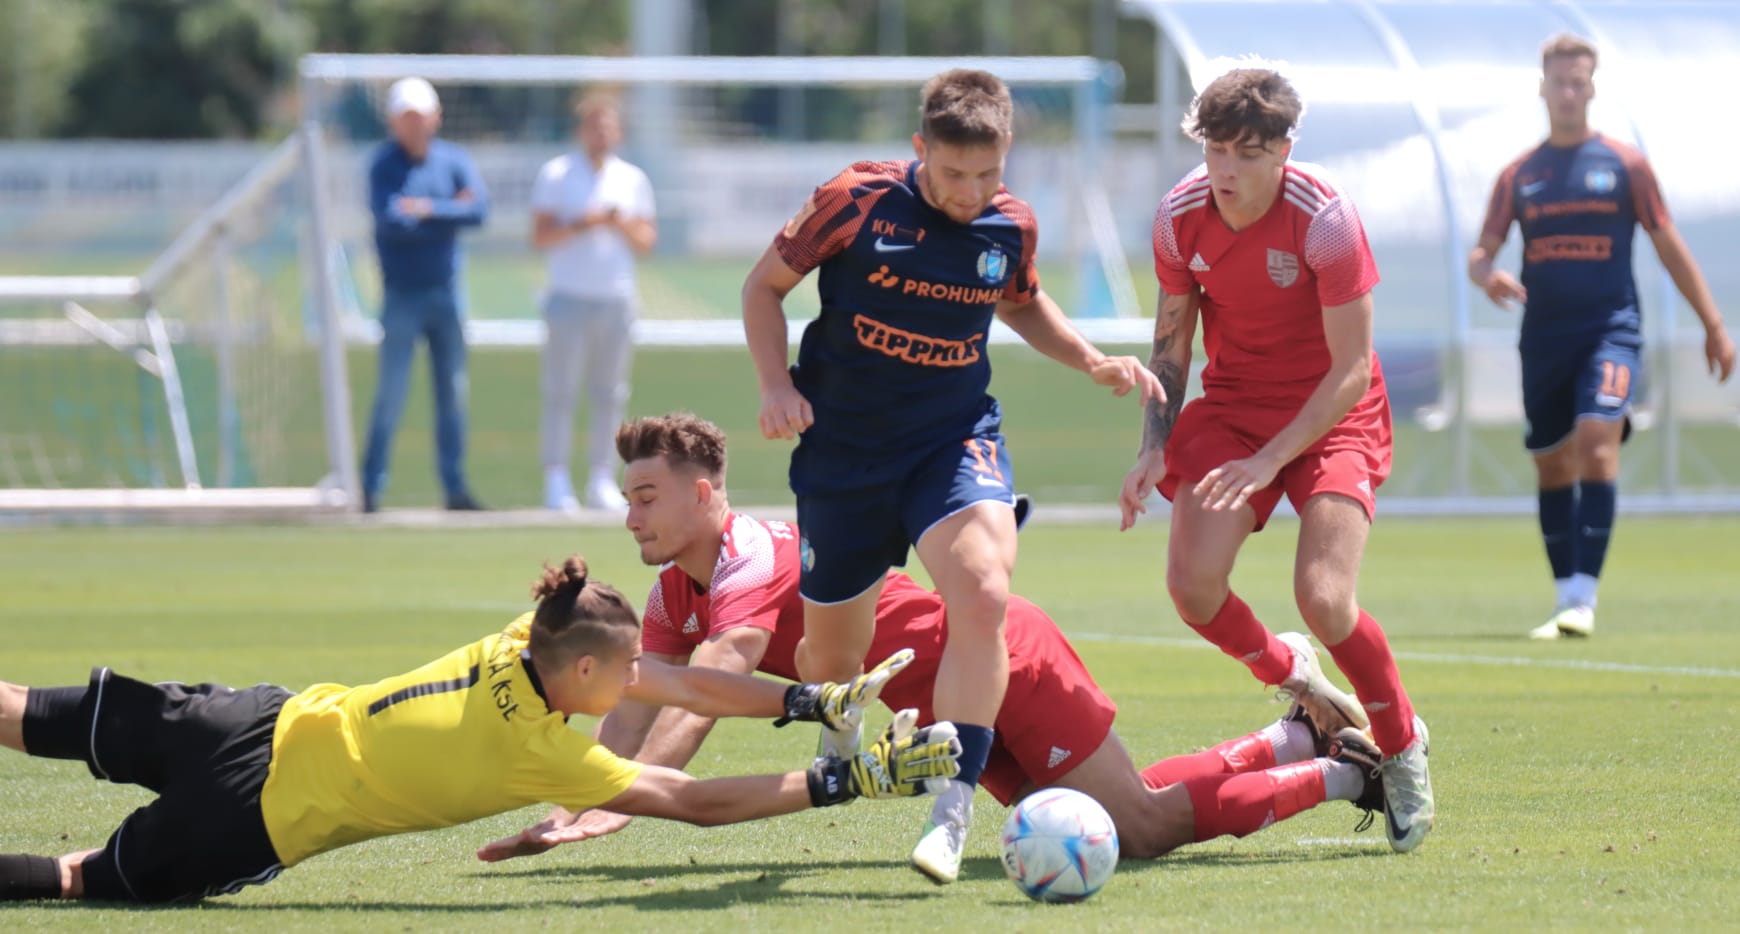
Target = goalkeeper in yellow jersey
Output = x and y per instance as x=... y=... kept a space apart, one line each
x=251 y=781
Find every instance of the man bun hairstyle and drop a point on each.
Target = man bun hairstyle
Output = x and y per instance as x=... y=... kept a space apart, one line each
x=1568 y=45
x=577 y=616
x=966 y=107
x=1245 y=103
x=683 y=439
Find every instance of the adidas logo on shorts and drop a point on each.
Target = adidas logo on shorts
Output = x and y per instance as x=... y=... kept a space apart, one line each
x=1058 y=755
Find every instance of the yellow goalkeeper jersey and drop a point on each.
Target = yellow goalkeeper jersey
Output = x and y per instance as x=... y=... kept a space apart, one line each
x=463 y=737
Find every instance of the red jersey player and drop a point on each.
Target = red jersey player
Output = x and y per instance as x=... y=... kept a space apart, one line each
x=727 y=597
x=1275 y=260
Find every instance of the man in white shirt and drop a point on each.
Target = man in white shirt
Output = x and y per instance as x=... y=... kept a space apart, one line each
x=592 y=215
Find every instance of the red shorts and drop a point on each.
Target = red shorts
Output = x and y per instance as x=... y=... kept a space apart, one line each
x=1053 y=717
x=1352 y=459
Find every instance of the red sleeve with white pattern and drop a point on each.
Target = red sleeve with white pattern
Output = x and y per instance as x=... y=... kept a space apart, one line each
x=1337 y=252
x=744 y=591
x=1170 y=266
x=657 y=632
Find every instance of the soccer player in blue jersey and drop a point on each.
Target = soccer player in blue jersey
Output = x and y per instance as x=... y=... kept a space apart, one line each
x=900 y=444
x=1578 y=197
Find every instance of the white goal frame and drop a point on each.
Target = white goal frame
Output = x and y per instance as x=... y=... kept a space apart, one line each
x=1089 y=80
x=128 y=320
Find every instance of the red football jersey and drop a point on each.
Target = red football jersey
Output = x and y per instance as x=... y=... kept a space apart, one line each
x=1264 y=288
x=755 y=583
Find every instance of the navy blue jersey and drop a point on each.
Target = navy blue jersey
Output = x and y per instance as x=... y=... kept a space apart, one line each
x=1578 y=208
x=897 y=357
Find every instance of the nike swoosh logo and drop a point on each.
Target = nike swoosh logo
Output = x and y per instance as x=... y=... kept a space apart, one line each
x=884 y=247
x=1397 y=831
x=987 y=481
x=1531 y=188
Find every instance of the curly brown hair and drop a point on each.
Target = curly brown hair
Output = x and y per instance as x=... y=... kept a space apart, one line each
x=577 y=616
x=1245 y=103
x=683 y=439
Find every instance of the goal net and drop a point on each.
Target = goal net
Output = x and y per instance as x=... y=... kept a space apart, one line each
x=201 y=378
x=733 y=146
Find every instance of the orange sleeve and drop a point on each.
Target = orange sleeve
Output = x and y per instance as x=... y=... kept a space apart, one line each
x=1023 y=285
x=1646 y=197
x=832 y=215
x=1501 y=210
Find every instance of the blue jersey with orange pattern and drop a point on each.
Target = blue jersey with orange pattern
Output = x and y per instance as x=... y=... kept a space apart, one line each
x=1578 y=207
x=897 y=356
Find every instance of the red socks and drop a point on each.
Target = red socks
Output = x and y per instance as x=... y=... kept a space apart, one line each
x=1364 y=657
x=1236 y=631
x=1251 y=753
x=1243 y=804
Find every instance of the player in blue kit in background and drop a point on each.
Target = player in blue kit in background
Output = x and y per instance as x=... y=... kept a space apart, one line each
x=1578 y=198
x=901 y=445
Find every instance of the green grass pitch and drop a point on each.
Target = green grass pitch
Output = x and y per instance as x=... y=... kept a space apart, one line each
x=1580 y=785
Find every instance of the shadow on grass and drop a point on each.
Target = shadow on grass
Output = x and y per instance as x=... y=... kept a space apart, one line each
x=764 y=887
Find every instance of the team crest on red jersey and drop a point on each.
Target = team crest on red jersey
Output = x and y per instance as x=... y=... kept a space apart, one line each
x=1283 y=267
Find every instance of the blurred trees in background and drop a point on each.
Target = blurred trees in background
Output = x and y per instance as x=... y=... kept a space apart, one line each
x=179 y=69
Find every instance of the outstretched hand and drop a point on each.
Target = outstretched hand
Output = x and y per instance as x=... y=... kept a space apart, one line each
x=553 y=831
x=841 y=706
x=1124 y=374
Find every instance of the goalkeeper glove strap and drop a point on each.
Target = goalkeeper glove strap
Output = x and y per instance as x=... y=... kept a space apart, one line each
x=830 y=781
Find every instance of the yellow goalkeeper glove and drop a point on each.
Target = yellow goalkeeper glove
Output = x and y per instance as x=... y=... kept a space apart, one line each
x=841 y=706
x=902 y=763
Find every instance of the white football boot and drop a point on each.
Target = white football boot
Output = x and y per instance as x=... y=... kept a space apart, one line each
x=1575 y=621
x=938 y=853
x=1408 y=806
x=1330 y=708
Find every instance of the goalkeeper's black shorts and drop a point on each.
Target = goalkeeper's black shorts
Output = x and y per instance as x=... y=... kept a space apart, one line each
x=205 y=749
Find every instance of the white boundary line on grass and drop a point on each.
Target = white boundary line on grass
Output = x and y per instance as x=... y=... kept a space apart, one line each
x=1178 y=642
x=1514 y=661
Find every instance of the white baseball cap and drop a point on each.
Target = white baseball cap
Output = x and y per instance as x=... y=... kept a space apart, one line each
x=412 y=94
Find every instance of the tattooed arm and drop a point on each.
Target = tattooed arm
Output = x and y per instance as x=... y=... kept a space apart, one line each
x=1174 y=331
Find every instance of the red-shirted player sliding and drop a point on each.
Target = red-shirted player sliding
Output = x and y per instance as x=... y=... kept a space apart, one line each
x=1275 y=260
x=727 y=598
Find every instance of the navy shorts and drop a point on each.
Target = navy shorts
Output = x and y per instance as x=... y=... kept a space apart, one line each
x=1583 y=380
x=850 y=538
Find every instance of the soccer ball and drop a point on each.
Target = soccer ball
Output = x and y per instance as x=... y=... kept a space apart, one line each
x=1059 y=845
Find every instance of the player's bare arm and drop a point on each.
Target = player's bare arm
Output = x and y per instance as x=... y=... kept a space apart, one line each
x=677 y=734
x=1689 y=279
x=1045 y=328
x=1169 y=364
x=706 y=691
x=785 y=413
x=669 y=737
x=1500 y=286
x=1347 y=331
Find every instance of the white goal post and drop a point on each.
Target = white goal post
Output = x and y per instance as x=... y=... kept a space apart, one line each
x=722 y=185
x=67 y=336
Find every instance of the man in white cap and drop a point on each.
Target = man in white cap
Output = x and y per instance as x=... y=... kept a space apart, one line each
x=422 y=190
